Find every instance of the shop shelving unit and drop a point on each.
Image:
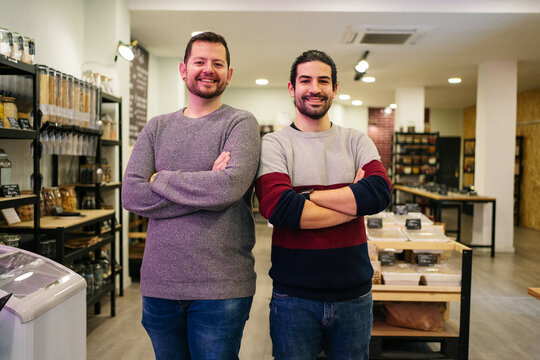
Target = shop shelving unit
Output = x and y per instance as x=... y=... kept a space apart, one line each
x=468 y=170
x=414 y=157
x=454 y=339
x=9 y=66
x=61 y=228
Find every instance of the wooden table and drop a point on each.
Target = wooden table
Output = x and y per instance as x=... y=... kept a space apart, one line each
x=534 y=292
x=438 y=200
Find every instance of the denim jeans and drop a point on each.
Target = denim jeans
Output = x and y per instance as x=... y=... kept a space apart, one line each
x=301 y=328
x=197 y=329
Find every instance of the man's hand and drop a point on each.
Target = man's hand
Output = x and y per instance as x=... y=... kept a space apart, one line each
x=222 y=161
x=359 y=175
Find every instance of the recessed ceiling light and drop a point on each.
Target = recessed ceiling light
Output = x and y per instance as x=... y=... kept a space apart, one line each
x=357 y=102
x=344 y=97
x=455 y=80
x=393 y=106
x=387 y=110
x=261 y=82
x=368 y=79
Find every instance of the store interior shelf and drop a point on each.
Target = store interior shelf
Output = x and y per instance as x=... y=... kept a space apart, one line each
x=17 y=201
x=109 y=185
x=381 y=329
x=88 y=217
x=107 y=142
x=95 y=298
x=73 y=254
x=52 y=126
x=109 y=98
x=11 y=66
x=17 y=134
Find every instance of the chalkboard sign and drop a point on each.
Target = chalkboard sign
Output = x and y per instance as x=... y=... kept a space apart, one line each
x=374 y=223
x=412 y=207
x=138 y=93
x=400 y=210
x=11 y=190
x=413 y=224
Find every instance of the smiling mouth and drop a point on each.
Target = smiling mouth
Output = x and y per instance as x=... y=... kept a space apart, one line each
x=208 y=81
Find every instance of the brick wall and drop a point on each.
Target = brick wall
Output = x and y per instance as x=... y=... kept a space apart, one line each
x=380 y=130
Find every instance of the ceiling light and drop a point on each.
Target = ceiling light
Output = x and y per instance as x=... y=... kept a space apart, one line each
x=344 y=97
x=357 y=102
x=368 y=79
x=261 y=82
x=361 y=67
x=195 y=33
x=455 y=80
x=126 y=50
x=392 y=106
x=387 y=110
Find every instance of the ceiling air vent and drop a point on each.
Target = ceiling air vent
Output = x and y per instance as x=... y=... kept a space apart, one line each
x=383 y=35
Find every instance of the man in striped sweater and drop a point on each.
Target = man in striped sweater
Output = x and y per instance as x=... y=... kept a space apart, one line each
x=316 y=181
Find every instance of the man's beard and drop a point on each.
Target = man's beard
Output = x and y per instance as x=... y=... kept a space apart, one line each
x=314 y=113
x=195 y=90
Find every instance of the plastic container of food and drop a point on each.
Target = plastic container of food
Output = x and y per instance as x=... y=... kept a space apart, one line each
x=386 y=234
x=441 y=275
x=401 y=274
x=429 y=234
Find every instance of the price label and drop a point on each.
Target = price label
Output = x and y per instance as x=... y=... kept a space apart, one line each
x=413 y=224
x=374 y=223
x=412 y=207
x=25 y=124
x=14 y=123
x=400 y=210
x=11 y=190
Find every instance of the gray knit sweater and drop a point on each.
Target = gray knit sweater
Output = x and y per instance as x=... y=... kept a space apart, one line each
x=201 y=228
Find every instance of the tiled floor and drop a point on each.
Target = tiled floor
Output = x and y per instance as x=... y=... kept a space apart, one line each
x=504 y=319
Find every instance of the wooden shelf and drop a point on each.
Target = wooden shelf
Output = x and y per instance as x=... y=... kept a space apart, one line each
x=53 y=222
x=421 y=245
x=416 y=293
x=381 y=329
x=6 y=202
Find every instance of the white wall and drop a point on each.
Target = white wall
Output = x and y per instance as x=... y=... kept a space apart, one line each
x=166 y=90
x=57 y=27
x=274 y=106
x=448 y=122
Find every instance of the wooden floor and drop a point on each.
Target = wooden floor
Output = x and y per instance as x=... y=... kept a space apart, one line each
x=505 y=320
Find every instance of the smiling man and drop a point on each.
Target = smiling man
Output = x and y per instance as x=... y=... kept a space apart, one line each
x=315 y=183
x=191 y=173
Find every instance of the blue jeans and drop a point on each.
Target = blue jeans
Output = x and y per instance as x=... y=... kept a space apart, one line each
x=301 y=328
x=197 y=329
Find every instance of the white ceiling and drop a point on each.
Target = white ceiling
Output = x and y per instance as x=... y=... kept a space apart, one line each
x=265 y=37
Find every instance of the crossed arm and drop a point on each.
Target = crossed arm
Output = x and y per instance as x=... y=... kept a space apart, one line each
x=330 y=207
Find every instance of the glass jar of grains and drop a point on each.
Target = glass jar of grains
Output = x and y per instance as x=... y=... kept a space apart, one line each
x=5 y=46
x=10 y=112
x=17 y=46
x=69 y=197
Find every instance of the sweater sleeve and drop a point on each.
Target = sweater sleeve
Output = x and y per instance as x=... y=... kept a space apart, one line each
x=374 y=192
x=216 y=190
x=137 y=196
x=278 y=202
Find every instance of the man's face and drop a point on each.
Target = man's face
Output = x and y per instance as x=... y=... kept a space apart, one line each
x=206 y=72
x=313 y=93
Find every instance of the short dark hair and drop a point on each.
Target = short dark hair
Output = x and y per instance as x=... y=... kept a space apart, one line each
x=313 y=55
x=207 y=36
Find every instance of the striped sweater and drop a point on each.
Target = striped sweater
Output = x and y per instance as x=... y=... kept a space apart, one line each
x=327 y=264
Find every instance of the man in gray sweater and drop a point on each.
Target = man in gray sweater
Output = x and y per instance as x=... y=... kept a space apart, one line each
x=191 y=174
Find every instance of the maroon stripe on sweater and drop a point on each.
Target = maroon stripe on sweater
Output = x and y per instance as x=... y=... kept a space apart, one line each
x=349 y=234
x=375 y=167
